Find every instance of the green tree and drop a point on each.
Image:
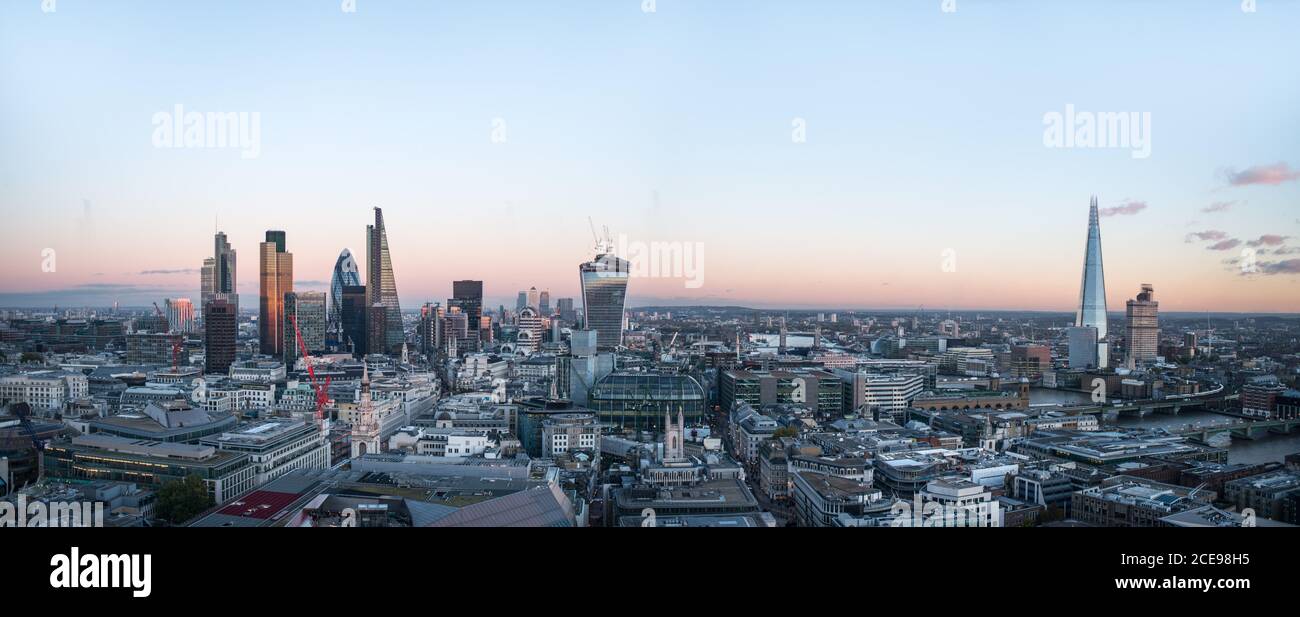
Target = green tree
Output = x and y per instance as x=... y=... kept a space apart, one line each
x=181 y=500
x=31 y=356
x=786 y=431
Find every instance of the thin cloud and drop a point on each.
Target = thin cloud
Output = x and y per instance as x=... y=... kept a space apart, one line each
x=1288 y=266
x=1125 y=209
x=1219 y=206
x=1206 y=235
x=1225 y=245
x=1262 y=174
x=176 y=271
x=1269 y=240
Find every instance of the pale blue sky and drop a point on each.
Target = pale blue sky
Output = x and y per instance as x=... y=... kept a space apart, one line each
x=924 y=133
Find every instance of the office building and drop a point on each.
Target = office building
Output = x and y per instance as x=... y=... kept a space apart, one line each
x=381 y=291
x=353 y=319
x=468 y=296
x=1083 y=347
x=642 y=400
x=276 y=280
x=220 y=330
x=149 y=463
x=207 y=281
x=346 y=274
x=180 y=314
x=1143 y=327
x=224 y=273
x=306 y=311
x=604 y=293
x=275 y=447
x=564 y=307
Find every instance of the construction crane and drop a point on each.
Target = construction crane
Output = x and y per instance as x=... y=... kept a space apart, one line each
x=604 y=244
x=322 y=391
x=23 y=412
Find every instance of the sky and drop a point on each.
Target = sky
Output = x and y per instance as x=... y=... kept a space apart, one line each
x=817 y=154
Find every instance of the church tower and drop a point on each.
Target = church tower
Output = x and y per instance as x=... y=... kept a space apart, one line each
x=365 y=430
x=674 y=435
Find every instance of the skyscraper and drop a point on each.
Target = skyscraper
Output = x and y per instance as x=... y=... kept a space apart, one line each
x=207 y=281
x=430 y=328
x=220 y=328
x=381 y=290
x=1092 y=288
x=180 y=314
x=1143 y=327
x=604 y=292
x=346 y=274
x=224 y=272
x=308 y=308
x=468 y=295
x=353 y=319
x=533 y=298
x=521 y=301
x=530 y=330
x=544 y=304
x=276 y=279
x=565 y=307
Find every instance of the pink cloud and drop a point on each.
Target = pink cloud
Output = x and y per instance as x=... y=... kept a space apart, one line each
x=1126 y=208
x=1224 y=245
x=1269 y=240
x=1219 y=206
x=1262 y=174
x=1288 y=266
x=1206 y=235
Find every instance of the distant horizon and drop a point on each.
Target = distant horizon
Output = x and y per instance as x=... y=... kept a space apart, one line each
x=811 y=154
x=773 y=309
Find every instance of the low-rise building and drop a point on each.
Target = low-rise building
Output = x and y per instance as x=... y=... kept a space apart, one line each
x=276 y=447
x=150 y=463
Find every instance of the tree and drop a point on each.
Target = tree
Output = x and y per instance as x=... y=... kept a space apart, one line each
x=181 y=500
x=31 y=356
x=786 y=431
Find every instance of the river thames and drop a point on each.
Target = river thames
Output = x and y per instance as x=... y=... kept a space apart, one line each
x=1270 y=448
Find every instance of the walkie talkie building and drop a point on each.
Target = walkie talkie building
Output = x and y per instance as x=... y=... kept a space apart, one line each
x=604 y=293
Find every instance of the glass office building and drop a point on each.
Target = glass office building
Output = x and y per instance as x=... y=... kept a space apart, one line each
x=604 y=292
x=639 y=401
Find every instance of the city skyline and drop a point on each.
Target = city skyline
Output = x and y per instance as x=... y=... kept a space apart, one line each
x=878 y=191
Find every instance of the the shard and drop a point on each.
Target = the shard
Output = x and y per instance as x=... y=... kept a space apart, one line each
x=381 y=288
x=1092 y=288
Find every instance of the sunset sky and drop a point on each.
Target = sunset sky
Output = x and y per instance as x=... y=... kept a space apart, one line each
x=924 y=134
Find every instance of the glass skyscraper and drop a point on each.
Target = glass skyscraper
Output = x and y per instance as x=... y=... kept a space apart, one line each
x=604 y=293
x=1092 y=288
x=381 y=291
x=224 y=271
x=346 y=274
x=276 y=279
x=468 y=296
x=307 y=308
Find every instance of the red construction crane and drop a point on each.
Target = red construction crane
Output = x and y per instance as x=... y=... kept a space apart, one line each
x=322 y=392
